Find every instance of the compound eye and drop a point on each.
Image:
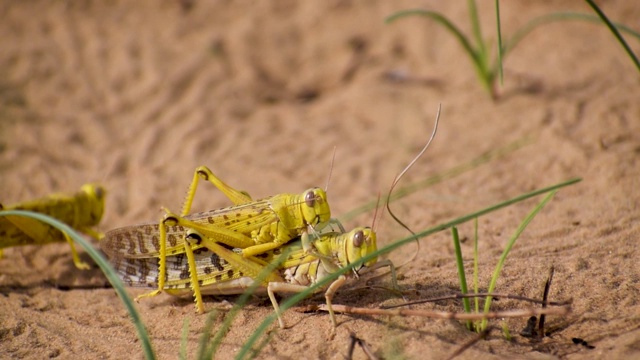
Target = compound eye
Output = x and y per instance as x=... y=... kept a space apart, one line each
x=99 y=192
x=358 y=238
x=310 y=199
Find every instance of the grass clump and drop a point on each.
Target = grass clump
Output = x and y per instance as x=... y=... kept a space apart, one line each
x=488 y=63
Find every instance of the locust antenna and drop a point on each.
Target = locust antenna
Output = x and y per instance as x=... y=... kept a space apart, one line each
x=375 y=215
x=333 y=159
x=397 y=179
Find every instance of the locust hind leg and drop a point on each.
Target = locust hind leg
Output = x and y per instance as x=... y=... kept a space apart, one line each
x=162 y=270
x=275 y=287
x=237 y=197
x=193 y=273
x=209 y=236
x=162 y=264
x=248 y=267
x=217 y=233
x=220 y=234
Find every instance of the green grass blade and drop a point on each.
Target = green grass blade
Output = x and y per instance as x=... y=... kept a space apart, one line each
x=477 y=33
x=615 y=32
x=442 y=20
x=205 y=352
x=505 y=253
x=461 y=275
x=184 y=339
x=499 y=32
x=506 y=332
x=104 y=266
x=482 y=61
x=475 y=264
x=256 y=351
x=262 y=328
x=554 y=17
x=470 y=216
x=235 y=310
x=474 y=55
x=445 y=175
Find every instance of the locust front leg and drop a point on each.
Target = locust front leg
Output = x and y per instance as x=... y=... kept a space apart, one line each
x=307 y=237
x=74 y=255
x=392 y=271
x=274 y=287
x=232 y=238
x=266 y=241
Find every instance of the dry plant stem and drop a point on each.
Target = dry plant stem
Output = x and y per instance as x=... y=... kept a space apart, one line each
x=397 y=179
x=530 y=329
x=352 y=345
x=451 y=173
x=365 y=347
x=481 y=295
x=564 y=310
x=482 y=335
x=404 y=171
x=333 y=159
x=545 y=296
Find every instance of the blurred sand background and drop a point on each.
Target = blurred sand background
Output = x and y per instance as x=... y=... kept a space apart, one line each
x=135 y=95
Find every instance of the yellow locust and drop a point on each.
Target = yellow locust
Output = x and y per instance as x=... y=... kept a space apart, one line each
x=81 y=211
x=253 y=226
x=217 y=276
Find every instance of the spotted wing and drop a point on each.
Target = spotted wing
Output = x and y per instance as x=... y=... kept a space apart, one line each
x=142 y=241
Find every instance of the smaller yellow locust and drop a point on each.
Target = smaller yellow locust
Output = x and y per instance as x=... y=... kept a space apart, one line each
x=301 y=269
x=253 y=226
x=81 y=211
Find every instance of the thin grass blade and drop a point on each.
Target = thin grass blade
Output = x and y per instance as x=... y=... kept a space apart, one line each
x=505 y=253
x=104 y=265
x=461 y=275
x=615 y=32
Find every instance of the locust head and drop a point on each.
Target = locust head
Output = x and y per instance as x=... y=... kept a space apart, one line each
x=314 y=206
x=94 y=196
x=359 y=243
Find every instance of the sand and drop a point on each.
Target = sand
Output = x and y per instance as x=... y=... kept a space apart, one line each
x=136 y=95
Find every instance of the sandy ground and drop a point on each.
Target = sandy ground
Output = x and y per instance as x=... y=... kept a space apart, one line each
x=135 y=95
